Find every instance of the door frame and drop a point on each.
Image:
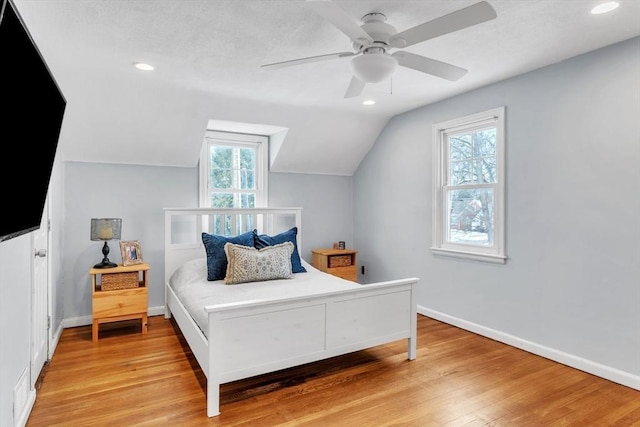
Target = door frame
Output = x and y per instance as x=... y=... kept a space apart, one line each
x=48 y=336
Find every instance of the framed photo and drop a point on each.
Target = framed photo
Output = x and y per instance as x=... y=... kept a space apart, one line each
x=341 y=245
x=131 y=252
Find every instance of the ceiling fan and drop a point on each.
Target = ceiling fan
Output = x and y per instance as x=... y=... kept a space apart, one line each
x=373 y=40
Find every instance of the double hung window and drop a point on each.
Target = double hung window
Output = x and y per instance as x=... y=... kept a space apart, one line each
x=469 y=181
x=233 y=172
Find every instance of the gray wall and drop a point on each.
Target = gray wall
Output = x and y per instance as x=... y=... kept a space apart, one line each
x=138 y=195
x=571 y=285
x=327 y=214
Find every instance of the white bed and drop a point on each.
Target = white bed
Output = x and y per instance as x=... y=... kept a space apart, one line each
x=250 y=329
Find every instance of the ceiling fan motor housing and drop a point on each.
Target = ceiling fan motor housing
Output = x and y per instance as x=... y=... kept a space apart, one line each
x=374 y=64
x=375 y=25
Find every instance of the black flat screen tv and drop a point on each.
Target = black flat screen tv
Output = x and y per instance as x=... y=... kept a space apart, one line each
x=30 y=122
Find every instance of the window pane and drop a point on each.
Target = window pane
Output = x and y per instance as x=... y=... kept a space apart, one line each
x=247 y=158
x=221 y=178
x=460 y=147
x=247 y=200
x=484 y=142
x=247 y=179
x=221 y=167
x=471 y=216
x=221 y=157
x=472 y=157
x=246 y=175
x=461 y=173
x=485 y=170
x=222 y=200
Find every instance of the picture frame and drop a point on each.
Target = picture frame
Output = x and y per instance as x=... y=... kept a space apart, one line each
x=131 y=252
x=341 y=245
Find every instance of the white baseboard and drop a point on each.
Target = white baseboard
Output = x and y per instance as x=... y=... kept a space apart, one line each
x=72 y=322
x=55 y=339
x=23 y=416
x=603 y=371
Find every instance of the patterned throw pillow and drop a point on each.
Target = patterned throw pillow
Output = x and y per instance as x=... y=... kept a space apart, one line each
x=248 y=264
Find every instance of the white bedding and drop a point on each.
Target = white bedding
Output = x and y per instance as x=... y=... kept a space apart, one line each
x=190 y=284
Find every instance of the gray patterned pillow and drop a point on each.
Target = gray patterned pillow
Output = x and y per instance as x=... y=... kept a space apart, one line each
x=248 y=264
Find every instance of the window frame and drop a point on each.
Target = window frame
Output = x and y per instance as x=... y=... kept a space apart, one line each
x=441 y=245
x=240 y=140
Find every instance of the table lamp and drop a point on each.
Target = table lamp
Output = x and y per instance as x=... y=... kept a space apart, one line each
x=105 y=229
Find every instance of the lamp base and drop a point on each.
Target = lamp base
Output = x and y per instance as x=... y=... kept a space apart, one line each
x=105 y=263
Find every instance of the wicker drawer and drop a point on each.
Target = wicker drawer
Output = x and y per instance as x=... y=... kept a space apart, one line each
x=340 y=261
x=110 y=282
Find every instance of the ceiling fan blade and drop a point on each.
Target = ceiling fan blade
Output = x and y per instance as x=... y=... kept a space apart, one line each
x=307 y=60
x=429 y=66
x=355 y=88
x=336 y=15
x=463 y=18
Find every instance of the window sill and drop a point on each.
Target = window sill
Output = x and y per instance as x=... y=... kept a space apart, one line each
x=494 y=259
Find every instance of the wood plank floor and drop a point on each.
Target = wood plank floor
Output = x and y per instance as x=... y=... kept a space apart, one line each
x=457 y=379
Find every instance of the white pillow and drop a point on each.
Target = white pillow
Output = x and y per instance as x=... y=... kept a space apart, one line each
x=248 y=264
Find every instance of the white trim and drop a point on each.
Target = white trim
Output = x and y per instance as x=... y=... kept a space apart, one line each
x=496 y=259
x=23 y=416
x=603 y=371
x=55 y=339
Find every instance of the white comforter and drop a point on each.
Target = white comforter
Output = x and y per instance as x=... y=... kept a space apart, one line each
x=190 y=284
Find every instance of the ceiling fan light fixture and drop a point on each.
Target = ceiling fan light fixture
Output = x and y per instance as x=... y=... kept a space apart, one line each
x=143 y=66
x=373 y=68
x=605 y=7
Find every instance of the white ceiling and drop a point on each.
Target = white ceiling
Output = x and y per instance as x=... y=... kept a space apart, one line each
x=208 y=54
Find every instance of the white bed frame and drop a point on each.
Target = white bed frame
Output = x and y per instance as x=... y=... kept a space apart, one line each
x=252 y=338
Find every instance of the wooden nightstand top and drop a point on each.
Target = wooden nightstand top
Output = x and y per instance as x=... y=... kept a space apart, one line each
x=329 y=252
x=120 y=269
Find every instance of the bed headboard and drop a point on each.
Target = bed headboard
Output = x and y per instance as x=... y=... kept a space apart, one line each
x=183 y=228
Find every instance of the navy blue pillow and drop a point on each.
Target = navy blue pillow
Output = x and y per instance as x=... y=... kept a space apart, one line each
x=216 y=257
x=264 y=240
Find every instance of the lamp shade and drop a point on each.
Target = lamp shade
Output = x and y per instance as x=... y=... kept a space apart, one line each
x=105 y=228
x=373 y=68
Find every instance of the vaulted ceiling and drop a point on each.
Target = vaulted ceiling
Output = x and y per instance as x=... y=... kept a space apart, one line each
x=208 y=55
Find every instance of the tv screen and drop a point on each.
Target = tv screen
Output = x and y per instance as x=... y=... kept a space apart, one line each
x=32 y=112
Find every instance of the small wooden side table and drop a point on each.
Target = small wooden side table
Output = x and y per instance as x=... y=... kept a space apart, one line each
x=339 y=262
x=119 y=293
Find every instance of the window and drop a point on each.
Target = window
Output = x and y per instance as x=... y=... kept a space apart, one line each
x=469 y=181
x=233 y=172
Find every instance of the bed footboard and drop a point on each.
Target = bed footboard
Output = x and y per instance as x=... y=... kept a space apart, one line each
x=246 y=340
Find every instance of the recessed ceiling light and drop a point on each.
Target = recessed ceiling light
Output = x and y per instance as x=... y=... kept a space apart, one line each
x=605 y=7
x=143 y=66
x=368 y=102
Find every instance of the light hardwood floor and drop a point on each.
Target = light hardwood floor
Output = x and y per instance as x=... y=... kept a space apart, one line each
x=457 y=379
